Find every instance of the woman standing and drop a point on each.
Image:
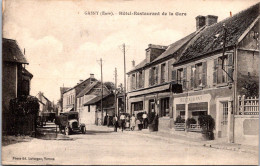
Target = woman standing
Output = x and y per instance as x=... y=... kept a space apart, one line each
x=133 y=119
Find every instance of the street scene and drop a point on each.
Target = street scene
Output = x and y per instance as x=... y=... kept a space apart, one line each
x=137 y=84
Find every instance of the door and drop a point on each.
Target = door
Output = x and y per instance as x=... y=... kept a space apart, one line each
x=164 y=107
x=151 y=106
x=224 y=118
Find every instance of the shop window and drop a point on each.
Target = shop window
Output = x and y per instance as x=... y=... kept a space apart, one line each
x=137 y=106
x=164 y=107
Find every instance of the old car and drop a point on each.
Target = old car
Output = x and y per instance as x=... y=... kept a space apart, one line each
x=69 y=122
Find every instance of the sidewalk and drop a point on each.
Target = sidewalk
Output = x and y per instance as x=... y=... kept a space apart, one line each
x=171 y=137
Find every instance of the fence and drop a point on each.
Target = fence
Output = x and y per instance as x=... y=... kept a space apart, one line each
x=248 y=106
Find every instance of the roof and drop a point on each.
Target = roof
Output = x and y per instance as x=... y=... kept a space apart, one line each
x=94 y=79
x=63 y=89
x=12 y=52
x=26 y=72
x=95 y=100
x=206 y=42
x=87 y=89
x=171 y=49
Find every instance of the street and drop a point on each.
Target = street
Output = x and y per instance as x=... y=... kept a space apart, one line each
x=100 y=145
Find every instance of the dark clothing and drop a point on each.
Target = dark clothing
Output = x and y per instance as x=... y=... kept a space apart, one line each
x=123 y=124
x=145 y=123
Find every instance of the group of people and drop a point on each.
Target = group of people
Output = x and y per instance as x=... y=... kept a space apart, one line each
x=129 y=122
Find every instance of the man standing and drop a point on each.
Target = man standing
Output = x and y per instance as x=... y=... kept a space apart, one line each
x=145 y=120
x=122 y=118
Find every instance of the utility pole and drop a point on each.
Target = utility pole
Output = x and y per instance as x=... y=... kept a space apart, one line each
x=124 y=79
x=116 y=92
x=102 y=114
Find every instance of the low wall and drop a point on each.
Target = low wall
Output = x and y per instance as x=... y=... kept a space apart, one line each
x=246 y=129
x=165 y=124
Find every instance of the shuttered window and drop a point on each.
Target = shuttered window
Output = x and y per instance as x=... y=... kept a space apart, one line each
x=192 y=76
x=174 y=76
x=215 y=68
x=184 y=83
x=230 y=67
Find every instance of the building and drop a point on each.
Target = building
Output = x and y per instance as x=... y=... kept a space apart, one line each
x=16 y=80
x=45 y=104
x=69 y=96
x=87 y=113
x=201 y=74
x=60 y=101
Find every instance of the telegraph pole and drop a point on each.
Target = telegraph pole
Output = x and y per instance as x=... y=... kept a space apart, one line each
x=116 y=92
x=102 y=114
x=124 y=79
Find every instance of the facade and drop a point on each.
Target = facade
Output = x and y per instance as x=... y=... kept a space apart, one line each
x=16 y=79
x=45 y=104
x=60 y=102
x=87 y=112
x=69 y=96
x=201 y=73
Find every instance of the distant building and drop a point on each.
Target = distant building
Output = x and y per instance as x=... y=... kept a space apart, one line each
x=92 y=92
x=45 y=103
x=69 y=96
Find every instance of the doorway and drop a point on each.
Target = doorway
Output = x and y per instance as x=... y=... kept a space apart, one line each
x=151 y=106
x=164 y=111
x=224 y=118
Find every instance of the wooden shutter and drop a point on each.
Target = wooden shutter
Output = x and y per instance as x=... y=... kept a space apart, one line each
x=204 y=73
x=192 y=77
x=143 y=78
x=156 y=75
x=184 y=83
x=230 y=67
x=215 y=68
x=137 y=80
x=150 y=76
x=174 y=76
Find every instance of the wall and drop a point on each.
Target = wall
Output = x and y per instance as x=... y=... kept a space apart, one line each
x=9 y=84
x=66 y=95
x=246 y=129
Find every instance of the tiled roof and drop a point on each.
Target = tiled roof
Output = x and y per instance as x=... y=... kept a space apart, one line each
x=63 y=89
x=206 y=42
x=171 y=49
x=88 y=79
x=95 y=100
x=12 y=53
x=87 y=89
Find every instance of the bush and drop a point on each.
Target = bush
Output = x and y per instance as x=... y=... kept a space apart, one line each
x=207 y=124
x=25 y=105
x=190 y=121
x=179 y=120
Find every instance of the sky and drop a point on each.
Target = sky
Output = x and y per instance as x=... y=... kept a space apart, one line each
x=64 y=45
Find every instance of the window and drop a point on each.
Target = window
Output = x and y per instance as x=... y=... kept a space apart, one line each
x=163 y=66
x=180 y=76
x=198 y=75
x=133 y=81
x=140 y=79
x=153 y=77
x=137 y=106
x=220 y=75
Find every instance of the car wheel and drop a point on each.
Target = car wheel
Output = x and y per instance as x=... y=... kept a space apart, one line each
x=83 y=130
x=67 y=131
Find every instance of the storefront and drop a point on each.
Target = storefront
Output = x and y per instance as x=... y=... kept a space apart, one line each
x=192 y=106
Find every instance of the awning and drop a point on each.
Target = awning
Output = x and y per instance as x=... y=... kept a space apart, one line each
x=150 y=90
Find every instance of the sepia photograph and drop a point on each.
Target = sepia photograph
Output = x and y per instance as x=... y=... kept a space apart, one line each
x=128 y=82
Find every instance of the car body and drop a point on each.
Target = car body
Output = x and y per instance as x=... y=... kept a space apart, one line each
x=69 y=122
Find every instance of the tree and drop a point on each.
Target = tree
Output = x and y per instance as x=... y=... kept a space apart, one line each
x=110 y=86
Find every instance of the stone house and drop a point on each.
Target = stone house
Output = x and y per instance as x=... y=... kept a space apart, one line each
x=211 y=65
x=16 y=80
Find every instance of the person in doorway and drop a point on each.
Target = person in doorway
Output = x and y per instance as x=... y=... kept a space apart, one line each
x=145 y=120
x=122 y=119
x=115 y=123
x=132 y=122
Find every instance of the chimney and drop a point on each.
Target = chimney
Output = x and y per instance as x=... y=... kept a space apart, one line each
x=133 y=63
x=200 y=22
x=211 y=19
x=91 y=75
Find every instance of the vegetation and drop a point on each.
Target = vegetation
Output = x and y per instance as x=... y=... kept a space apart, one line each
x=190 y=121
x=179 y=120
x=207 y=124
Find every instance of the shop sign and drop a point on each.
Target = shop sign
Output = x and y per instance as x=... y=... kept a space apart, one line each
x=193 y=99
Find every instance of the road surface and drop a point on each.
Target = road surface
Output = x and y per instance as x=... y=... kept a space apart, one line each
x=103 y=146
